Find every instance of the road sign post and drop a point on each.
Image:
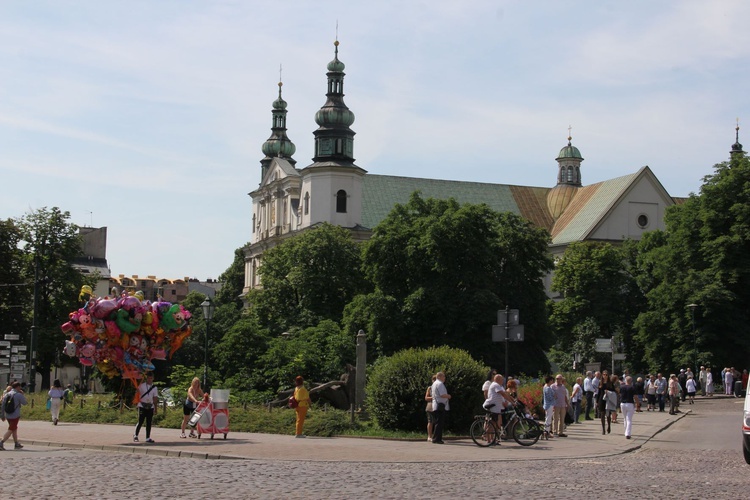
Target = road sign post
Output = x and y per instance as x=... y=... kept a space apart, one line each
x=507 y=330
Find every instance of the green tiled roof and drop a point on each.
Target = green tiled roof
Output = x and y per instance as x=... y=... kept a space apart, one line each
x=586 y=211
x=381 y=192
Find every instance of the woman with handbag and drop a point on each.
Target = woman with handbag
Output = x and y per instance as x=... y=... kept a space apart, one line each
x=303 y=403
x=148 y=398
x=194 y=396
x=56 y=395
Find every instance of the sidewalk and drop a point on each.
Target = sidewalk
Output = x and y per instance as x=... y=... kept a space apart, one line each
x=583 y=439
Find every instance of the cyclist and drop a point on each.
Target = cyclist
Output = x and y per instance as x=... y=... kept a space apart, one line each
x=498 y=399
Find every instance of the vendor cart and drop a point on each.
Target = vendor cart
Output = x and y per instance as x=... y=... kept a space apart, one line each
x=212 y=414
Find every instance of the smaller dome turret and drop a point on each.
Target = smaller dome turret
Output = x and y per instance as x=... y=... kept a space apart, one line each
x=336 y=65
x=736 y=147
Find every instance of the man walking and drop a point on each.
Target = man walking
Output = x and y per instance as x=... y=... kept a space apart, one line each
x=560 y=407
x=588 y=391
x=440 y=405
x=10 y=409
x=595 y=384
x=661 y=390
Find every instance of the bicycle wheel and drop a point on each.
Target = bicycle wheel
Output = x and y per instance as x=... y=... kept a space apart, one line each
x=480 y=429
x=526 y=431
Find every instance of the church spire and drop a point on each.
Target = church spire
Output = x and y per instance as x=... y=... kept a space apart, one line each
x=736 y=147
x=278 y=145
x=334 y=140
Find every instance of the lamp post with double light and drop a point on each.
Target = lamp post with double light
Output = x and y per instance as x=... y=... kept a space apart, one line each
x=208 y=314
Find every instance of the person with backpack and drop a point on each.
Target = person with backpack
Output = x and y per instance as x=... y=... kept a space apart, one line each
x=10 y=409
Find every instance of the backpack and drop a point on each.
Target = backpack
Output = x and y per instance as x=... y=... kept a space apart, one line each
x=68 y=396
x=9 y=404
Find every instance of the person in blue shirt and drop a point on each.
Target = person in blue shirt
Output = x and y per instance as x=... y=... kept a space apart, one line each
x=16 y=394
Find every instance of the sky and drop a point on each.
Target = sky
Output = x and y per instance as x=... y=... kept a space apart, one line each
x=148 y=117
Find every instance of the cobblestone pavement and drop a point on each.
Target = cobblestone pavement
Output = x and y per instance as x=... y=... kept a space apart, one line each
x=656 y=469
x=65 y=473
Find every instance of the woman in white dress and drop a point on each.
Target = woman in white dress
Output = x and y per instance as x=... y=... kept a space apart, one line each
x=709 y=382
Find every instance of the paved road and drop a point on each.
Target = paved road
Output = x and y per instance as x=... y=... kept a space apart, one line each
x=651 y=471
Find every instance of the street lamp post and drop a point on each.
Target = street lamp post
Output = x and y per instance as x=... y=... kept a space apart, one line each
x=208 y=314
x=695 y=349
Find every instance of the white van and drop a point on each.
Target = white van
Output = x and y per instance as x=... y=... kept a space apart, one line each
x=746 y=426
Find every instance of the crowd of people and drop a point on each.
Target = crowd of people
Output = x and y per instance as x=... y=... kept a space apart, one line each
x=597 y=396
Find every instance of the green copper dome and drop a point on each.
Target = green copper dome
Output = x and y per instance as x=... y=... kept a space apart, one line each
x=336 y=65
x=332 y=116
x=569 y=151
x=278 y=147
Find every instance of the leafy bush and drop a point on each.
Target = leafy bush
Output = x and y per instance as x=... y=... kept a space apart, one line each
x=396 y=387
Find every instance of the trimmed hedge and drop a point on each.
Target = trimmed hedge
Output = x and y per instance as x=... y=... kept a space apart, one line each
x=397 y=384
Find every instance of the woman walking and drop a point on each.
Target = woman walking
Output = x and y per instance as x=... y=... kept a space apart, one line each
x=303 y=403
x=548 y=403
x=428 y=410
x=56 y=395
x=194 y=396
x=575 y=399
x=602 y=398
x=627 y=395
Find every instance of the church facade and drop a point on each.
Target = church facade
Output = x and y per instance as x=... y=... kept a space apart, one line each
x=334 y=189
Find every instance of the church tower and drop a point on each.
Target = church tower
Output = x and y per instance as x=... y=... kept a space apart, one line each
x=278 y=145
x=568 y=179
x=736 y=147
x=332 y=184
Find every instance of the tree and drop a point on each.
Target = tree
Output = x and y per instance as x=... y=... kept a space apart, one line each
x=50 y=244
x=318 y=353
x=307 y=279
x=446 y=269
x=703 y=258
x=600 y=299
x=15 y=291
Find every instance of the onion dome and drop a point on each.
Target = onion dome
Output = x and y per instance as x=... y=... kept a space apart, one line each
x=334 y=140
x=736 y=147
x=278 y=145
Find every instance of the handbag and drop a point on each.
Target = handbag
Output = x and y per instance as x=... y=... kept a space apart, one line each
x=293 y=403
x=49 y=403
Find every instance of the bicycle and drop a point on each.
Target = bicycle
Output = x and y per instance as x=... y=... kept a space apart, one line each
x=524 y=431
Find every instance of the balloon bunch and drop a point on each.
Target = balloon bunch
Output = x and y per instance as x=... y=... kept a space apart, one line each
x=122 y=335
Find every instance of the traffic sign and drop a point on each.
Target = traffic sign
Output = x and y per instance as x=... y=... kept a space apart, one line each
x=21 y=348
x=4 y=371
x=14 y=350
x=512 y=319
x=4 y=361
x=12 y=336
x=5 y=352
x=13 y=359
x=516 y=333
x=498 y=333
x=603 y=345
x=4 y=343
x=19 y=357
x=16 y=375
x=18 y=366
x=619 y=356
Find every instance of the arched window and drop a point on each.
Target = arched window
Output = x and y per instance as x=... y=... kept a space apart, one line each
x=570 y=174
x=341 y=201
x=307 y=203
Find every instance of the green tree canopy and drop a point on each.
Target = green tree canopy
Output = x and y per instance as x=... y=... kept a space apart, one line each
x=600 y=299
x=307 y=279
x=441 y=272
x=50 y=244
x=702 y=258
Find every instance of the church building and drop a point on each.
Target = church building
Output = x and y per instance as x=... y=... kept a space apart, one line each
x=334 y=189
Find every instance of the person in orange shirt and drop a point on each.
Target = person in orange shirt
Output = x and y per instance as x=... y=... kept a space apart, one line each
x=303 y=403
